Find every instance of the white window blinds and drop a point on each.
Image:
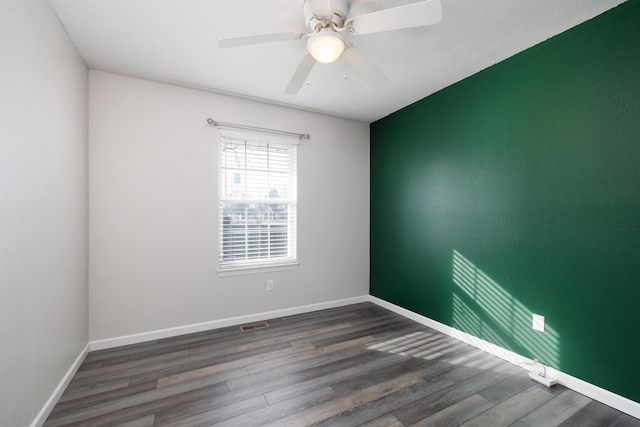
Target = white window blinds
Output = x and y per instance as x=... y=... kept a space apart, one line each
x=257 y=200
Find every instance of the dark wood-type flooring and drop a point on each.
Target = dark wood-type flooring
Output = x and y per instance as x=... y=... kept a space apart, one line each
x=359 y=365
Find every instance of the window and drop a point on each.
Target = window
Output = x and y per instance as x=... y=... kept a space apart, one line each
x=257 y=201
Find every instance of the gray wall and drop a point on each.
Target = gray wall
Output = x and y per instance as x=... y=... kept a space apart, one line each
x=153 y=204
x=43 y=207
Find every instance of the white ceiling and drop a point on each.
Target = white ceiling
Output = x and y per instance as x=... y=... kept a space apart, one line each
x=175 y=41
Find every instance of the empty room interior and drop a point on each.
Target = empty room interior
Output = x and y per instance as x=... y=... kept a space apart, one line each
x=205 y=221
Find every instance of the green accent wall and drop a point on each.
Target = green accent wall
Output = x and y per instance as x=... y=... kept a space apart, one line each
x=517 y=191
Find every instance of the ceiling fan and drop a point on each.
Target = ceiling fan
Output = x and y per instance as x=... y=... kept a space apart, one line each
x=326 y=19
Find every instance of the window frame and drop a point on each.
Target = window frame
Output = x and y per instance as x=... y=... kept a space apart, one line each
x=256 y=264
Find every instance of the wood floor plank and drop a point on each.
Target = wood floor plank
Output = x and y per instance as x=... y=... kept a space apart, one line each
x=193 y=362
x=511 y=409
x=238 y=340
x=476 y=380
x=217 y=415
x=250 y=391
x=206 y=403
x=330 y=374
x=311 y=353
x=384 y=405
x=93 y=388
x=171 y=395
x=344 y=403
x=625 y=420
x=292 y=337
x=136 y=359
x=150 y=348
x=122 y=410
x=505 y=389
x=593 y=414
x=387 y=420
x=106 y=396
x=125 y=367
x=556 y=411
x=359 y=382
x=358 y=365
x=359 y=331
x=303 y=368
x=153 y=371
x=90 y=365
x=457 y=413
x=147 y=421
x=230 y=365
x=392 y=342
x=275 y=412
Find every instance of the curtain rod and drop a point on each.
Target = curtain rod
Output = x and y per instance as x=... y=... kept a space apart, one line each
x=245 y=127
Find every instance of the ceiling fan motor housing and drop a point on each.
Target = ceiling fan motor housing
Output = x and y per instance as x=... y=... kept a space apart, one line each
x=340 y=9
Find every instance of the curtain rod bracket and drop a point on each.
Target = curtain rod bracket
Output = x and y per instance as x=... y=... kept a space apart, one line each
x=245 y=127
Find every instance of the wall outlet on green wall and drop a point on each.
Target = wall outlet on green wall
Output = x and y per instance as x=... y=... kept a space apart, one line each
x=538 y=322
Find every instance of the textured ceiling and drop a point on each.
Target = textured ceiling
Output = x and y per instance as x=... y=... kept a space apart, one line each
x=175 y=41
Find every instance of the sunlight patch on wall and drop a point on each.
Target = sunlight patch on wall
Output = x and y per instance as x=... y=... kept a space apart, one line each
x=485 y=309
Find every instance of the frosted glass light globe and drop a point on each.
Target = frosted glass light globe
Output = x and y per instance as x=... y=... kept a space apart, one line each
x=325 y=46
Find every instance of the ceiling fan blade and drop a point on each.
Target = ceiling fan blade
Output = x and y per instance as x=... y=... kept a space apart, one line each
x=365 y=68
x=301 y=74
x=259 y=38
x=320 y=8
x=427 y=12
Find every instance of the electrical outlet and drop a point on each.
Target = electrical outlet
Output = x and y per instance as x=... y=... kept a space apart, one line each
x=269 y=285
x=538 y=322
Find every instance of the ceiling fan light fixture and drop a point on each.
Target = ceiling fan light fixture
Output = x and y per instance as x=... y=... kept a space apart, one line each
x=325 y=46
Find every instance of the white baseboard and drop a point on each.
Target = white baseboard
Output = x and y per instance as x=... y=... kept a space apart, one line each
x=221 y=323
x=594 y=392
x=55 y=396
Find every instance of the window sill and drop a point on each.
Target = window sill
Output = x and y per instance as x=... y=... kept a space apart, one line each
x=255 y=269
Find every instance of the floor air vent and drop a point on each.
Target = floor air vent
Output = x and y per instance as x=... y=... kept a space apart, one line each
x=260 y=325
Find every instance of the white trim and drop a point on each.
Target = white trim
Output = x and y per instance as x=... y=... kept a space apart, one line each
x=55 y=396
x=221 y=323
x=594 y=392
x=255 y=269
